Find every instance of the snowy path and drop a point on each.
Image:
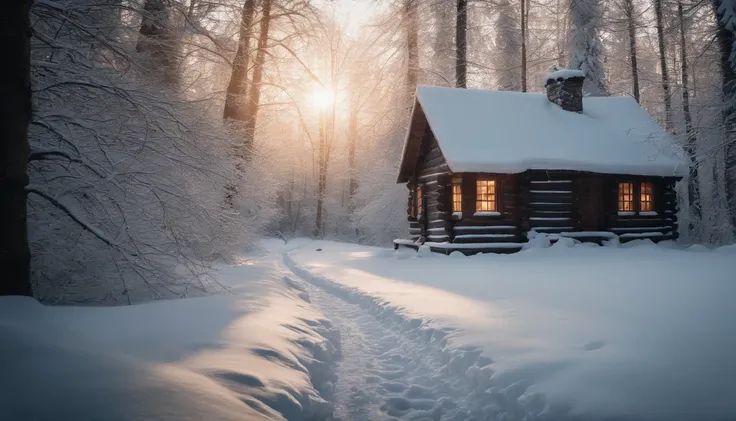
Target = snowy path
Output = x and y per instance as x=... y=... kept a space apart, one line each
x=386 y=372
x=381 y=372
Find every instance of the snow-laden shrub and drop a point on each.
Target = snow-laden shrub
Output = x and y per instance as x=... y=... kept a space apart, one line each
x=127 y=193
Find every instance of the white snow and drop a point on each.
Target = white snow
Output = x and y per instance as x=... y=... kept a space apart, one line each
x=487 y=213
x=446 y=245
x=564 y=74
x=573 y=331
x=511 y=132
x=249 y=355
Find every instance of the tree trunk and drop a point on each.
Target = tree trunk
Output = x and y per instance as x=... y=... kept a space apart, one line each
x=412 y=45
x=322 y=172
x=524 y=24
x=159 y=40
x=663 y=65
x=15 y=106
x=725 y=38
x=235 y=99
x=353 y=140
x=461 y=48
x=693 y=191
x=631 y=23
x=254 y=100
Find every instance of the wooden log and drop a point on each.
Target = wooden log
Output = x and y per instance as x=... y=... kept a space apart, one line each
x=639 y=222
x=501 y=229
x=487 y=238
x=550 y=196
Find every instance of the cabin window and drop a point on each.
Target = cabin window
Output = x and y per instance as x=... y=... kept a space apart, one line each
x=626 y=197
x=420 y=199
x=457 y=194
x=485 y=200
x=646 y=197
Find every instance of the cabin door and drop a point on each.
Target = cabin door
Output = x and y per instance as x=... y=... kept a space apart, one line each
x=591 y=203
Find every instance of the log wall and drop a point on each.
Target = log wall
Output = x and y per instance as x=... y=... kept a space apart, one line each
x=662 y=225
x=498 y=233
x=547 y=201
x=434 y=174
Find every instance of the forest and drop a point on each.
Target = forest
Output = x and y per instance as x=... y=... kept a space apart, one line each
x=144 y=140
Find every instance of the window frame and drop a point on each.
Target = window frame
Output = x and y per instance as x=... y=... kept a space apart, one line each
x=636 y=200
x=651 y=194
x=494 y=202
x=457 y=194
x=621 y=197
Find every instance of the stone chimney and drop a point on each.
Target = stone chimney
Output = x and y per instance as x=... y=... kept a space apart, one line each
x=565 y=88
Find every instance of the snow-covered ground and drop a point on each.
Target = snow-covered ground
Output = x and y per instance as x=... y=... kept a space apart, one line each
x=260 y=353
x=354 y=333
x=637 y=332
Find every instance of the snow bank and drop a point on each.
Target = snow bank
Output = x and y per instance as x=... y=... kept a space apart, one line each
x=638 y=332
x=261 y=354
x=613 y=135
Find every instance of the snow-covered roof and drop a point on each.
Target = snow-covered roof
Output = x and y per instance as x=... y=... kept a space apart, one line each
x=511 y=132
x=564 y=74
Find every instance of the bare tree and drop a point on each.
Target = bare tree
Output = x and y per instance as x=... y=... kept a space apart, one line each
x=630 y=12
x=461 y=48
x=159 y=39
x=15 y=107
x=725 y=14
x=663 y=66
x=235 y=99
x=524 y=25
x=254 y=100
x=691 y=136
x=412 y=47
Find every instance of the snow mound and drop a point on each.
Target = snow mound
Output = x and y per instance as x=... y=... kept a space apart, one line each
x=262 y=354
x=563 y=74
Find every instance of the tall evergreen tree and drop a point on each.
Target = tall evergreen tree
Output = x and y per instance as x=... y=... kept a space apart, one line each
x=584 y=49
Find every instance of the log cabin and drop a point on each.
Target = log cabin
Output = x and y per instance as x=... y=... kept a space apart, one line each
x=488 y=170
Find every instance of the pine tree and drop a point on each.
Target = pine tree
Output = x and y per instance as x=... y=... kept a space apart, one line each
x=585 y=51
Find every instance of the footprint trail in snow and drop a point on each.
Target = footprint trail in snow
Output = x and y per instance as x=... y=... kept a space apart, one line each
x=383 y=374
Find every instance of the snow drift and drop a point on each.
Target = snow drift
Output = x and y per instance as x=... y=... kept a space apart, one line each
x=261 y=354
x=567 y=332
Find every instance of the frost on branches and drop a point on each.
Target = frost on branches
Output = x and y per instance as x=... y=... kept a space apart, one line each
x=508 y=47
x=126 y=201
x=585 y=50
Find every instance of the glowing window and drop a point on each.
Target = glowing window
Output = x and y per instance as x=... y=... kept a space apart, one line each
x=626 y=197
x=457 y=194
x=646 y=197
x=485 y=199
